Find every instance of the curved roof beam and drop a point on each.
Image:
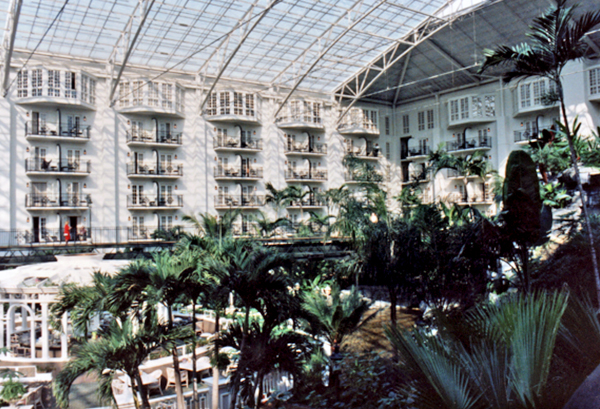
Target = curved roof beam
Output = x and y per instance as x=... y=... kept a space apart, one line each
x=129 y=50
x=325 y=51
x=387 y=63
x=225 y=40
x=224 y=67
x=9 y=42
x=326 y=33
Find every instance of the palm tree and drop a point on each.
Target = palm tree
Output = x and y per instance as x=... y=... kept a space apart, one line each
x=556 y=37
x=265 y=227
x=296 y=194
x=276 y=198
x=213 y=226
x=161 y=282
x=466 y=166
x=123 y=347
x=334 y=316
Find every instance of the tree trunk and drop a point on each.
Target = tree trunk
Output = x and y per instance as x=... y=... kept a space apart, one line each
x=178 y=388
x=584 y=208
x=215 y=388
x=143 y=391
x=136 y=401
x=236 y=382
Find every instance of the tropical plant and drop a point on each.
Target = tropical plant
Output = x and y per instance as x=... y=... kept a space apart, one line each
x=172 y=234
x=556 y=37
x=12 y=388
x=266 y=227
x=161 y=282
x=213 y=226
x=504 y=363
x=467 y=166
x=122 y=347
x=336 y=315
x=555 y=196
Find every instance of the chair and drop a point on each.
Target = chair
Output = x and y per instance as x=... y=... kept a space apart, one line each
x=157 y=374
x=171 y=377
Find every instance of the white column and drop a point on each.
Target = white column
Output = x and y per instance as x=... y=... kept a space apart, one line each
x=63 y=338
x=45 y=333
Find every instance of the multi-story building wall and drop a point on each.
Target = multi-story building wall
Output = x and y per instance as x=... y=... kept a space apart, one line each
x=163 y=147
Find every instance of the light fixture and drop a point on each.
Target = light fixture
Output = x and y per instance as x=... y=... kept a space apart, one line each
x=374 y=219
x=254 y=160
x=175 y=126
x=128 y=186
x=27 y=114
x=28 y=220
x=215 y=129
x=175 y=156
x=84 y=118
x=128 y=154
x=84 y=219
x=254 y=133
x=175 y=217
x=216 y=188
x=27 y=184
x=27 y=149
x=129 y=219
x=128 y=122
x=85 y=152
x=175 y=187
x=85 y=185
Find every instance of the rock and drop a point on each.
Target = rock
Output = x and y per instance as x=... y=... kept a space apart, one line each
x=587 y=396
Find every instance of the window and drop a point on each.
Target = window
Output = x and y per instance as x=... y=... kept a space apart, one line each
x=238 y=103
x=525 y=93
x=84 y=88
x=179 y=99
x=137 y=195
x=316 y=112
x=167 y=96
x=22 y=84
x=124 y=94
x=374 y=121
x=405 y=124
x=70 y=84
x=430 y=122
x=53 y=83
x=454 y=110
x=388 y=153
x=153 y=94
x=595 y=81
x=166 y=222
x=295 y=110
x=137 y=95
x=212 y=104
x=36 y=83
x=464 y=108
x=92 y=99
x=421 y=121
x=224 y=103
x=249 y=105
x=387 y=125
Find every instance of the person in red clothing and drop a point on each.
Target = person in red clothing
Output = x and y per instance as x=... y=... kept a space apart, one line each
x=67 y=232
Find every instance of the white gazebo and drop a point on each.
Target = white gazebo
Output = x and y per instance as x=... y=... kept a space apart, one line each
x=27 y=293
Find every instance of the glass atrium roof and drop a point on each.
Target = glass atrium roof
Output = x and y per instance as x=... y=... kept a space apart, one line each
x=320 y=42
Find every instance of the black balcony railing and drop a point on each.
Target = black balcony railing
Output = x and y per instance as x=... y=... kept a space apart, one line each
x=53 y=130
x=66 y=200
x=251 y=172
x=160 y=137
x=237 y=143
x=420 y=151
x=305 y=174
x=310 y=201
x=58 y=165
x=482 y=142
x=318 y=148
x=362 y=152
x=145 y=169
x=166 y=201
x=371 y=177
x=226 y=201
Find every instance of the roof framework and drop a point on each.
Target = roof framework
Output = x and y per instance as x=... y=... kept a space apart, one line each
x=309 y=44
x=378 y=50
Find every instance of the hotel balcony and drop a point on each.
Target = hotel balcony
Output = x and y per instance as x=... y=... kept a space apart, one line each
x=164 y=171
x=355 y=177
x=308 y=203
x=533 y=96
x=238 y=173
x=155 y=139
x=237 y=144
x=470 y=144
x=232 y=107
x=52 y=132
x=419 y=153
x=360 y=121
x=416 y=177
x=477 y=199
x=363 y=153
x=154 y=202
x=52 y=88
x=298 y=114
x=64 y=166
x=141 y=96
x=64 y=201
x=223 y=202
x=305 y=175
x=318 y=149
